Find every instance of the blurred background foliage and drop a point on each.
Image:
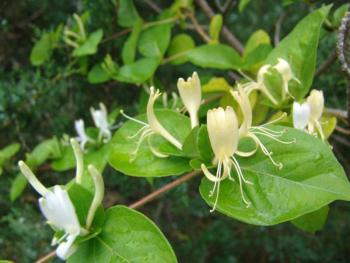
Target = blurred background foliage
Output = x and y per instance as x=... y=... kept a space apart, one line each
x=36 y=104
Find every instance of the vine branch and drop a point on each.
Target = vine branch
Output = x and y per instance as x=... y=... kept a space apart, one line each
x=144 y=200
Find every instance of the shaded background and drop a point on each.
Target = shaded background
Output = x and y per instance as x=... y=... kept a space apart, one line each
x=34 y=106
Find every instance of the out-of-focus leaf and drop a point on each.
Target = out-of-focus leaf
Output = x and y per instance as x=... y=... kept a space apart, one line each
x=154 y=41
x=7 y=153
x=215 y=28
x=42 y=50
x=180 y=44
x=216 y=56
x=17 y=187
x=216 y=85
x=259 y=37
x=313 y=221
x=98 y=75
x=129 y=47
x=328 y=124
x=242 y=5
x=127 y=13
x=89 y=47
x=139 y=71
x=339 y=14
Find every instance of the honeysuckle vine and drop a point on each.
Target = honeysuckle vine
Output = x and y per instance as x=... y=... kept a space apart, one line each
x=250 y=141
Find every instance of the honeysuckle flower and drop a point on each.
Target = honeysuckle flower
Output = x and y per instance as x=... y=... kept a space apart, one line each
x=309 y=113
x=58 y=209
x=191 y=96
x=59 y=212
x=287 y=75
x=301 y=115
x=153 y=126
x=259 y=83
x=283 y=68
x=224 y=137
x=247 y=130
x=82 y=138
x=100 y=118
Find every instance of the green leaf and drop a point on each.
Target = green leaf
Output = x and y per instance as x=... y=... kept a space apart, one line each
x=7 y=153
x=339 y=14
x=328 y=124
x=129 y=47
x=259 y=37
x=89 y=47
x=215 y=28
x=179 y=45
x=242 y=5
x=154 y=41
x=127 y=236
x=146 y=163
x=216 y=85
x=299 y=48
x=17 y=186
x=217 y=56
x=127 y=13
x=310 y=179
x=138 y=72
x=48 y=149
x=42 y=50
x=98 y=75
x=97 y=157
x=312 y=222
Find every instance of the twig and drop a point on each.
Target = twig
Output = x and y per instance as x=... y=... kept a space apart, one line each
x=154 y=6
x=328 y=62
x=225 y=32
x=146 y=199
x=164 y=189
x=278 y=26
x=198 y=28
x=342 y=130
x=47 y=257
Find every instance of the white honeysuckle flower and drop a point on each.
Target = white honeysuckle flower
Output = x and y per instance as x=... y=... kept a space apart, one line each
x=191 y=96
x=58 y=209
x=152 y=127
x=100 y=118
x=309 y=113
x=247 y=130
x=301 y=115
x=224 y=137
x=259 y=83
x=287 y=75
x=82 y=138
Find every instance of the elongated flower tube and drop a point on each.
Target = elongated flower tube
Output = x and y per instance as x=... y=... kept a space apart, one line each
x=309 y=113
x=58 y=209
x=59 y=212
x=259 y=83
x=247 y=130
x=224 y=137
x=82 y=138
x=287 y=75
x=100 y=118
x=191 y=96
x=152 y=127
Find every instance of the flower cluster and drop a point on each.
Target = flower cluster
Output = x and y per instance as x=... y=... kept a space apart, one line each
x=224 y=129
x=58 y=209
x=100 y=118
